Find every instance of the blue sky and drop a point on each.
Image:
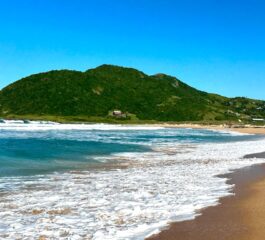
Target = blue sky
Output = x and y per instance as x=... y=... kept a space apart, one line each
x=216 y=46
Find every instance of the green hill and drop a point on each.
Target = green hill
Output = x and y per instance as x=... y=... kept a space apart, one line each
x=94 y=94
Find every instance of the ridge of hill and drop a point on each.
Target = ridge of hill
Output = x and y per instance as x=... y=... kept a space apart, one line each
x=96 y=93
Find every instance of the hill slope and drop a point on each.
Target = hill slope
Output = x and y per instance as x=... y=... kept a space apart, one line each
x=98 y=91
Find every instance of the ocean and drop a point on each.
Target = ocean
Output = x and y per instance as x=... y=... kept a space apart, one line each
x=100 y=181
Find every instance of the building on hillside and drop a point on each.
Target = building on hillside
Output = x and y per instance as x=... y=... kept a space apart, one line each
x=119 y=114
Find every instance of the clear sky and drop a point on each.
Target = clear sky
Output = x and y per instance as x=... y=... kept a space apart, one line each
x=214 y=45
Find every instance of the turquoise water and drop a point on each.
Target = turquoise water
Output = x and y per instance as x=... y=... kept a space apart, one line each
x=27 y=151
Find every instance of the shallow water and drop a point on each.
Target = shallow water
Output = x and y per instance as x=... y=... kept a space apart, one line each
x=111 y=182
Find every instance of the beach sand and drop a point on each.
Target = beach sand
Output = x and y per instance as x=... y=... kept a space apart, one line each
x=238 y=217
x=251 y=129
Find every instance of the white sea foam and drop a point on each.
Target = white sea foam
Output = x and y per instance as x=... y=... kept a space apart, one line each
x=169 y=184
x=230 y=132
x=46 y=125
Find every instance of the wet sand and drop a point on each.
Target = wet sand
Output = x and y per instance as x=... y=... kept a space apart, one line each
x=256 y=155
x=238 y=217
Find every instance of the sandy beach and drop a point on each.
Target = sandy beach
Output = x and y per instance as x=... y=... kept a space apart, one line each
x=250 y=129
x=239 y=217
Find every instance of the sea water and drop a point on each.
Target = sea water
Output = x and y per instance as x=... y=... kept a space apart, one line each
x=99 y=181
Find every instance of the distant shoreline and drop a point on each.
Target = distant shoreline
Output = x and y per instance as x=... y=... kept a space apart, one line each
x=249 y=129
x=241 y=128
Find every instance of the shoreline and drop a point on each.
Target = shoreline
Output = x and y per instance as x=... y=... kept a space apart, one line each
x=237 y=217
x=248 y=129
x=242 y=128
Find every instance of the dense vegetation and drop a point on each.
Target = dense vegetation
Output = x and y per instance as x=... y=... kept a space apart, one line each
x=97 y=92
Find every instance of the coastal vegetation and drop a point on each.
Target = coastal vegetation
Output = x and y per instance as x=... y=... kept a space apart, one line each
x=92 y=96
